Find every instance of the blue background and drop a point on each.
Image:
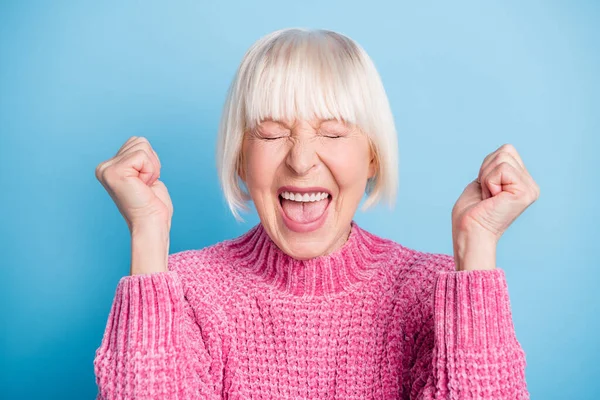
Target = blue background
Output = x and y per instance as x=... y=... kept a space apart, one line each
x=464 y=77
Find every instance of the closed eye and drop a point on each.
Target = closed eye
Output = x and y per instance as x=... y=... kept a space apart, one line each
x=331 y=135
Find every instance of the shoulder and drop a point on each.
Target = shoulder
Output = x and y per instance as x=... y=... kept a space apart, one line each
x=415 y=287
x=409 y=270
x=409 y=278
x=404 y=258
x=203 y=271
x=211 y=259
x=431 y=263
x=194 y=259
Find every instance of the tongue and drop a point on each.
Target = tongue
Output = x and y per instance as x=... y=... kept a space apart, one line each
x=304 y=212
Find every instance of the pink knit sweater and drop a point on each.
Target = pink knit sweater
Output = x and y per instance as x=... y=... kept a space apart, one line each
x=373 y=320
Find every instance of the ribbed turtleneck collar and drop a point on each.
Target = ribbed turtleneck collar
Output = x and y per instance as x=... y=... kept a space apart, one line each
x=258 y=257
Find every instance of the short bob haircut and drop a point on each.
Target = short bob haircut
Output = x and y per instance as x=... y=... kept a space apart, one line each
x=301 y=73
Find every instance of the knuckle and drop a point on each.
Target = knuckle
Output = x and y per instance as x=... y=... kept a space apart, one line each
x=503 y=155
x=507 y=157
x=103 y=171
x=505 y=165
x=530 y=195
x=507 y=147
x=98 y=171
x=148 y=146
x=109 y=173
x=140 y=151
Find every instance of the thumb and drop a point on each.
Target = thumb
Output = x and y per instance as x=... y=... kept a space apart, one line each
x=159 y=188
x=500 y=177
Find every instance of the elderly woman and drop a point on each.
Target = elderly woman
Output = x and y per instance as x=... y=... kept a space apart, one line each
x=307 y=304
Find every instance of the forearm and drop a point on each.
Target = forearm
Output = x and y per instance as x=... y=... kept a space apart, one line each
x=469 y=348
x=153 y=348
x=149 y=250
x=474 y=251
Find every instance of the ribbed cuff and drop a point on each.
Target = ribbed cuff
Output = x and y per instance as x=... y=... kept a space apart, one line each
x=472 y=309
x=146 y=312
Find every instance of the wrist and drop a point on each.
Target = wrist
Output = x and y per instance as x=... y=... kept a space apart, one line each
x=145 y=227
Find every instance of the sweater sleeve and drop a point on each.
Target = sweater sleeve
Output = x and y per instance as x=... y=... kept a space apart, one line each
x=153 y=347
x=466 y=347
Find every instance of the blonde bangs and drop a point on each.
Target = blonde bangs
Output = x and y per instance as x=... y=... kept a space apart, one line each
x=305 y=75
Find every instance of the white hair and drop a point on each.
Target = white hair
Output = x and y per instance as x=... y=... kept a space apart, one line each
x=301 y=74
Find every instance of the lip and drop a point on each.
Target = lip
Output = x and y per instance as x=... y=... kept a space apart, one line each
x=309 y=226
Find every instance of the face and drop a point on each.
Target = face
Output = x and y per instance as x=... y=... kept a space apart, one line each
x=306 y=179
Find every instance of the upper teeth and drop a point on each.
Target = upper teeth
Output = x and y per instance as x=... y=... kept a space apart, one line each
x=304 y=197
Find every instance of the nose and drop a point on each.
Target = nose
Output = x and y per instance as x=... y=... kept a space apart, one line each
x=302 y=156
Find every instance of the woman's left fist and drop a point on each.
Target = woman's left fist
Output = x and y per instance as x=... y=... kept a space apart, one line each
x=501 y=192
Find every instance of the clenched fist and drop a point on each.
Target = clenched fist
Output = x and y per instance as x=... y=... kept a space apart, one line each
x=131 y=178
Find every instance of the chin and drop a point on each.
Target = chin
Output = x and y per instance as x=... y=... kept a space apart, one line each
x=306 y=245
x=304 y=249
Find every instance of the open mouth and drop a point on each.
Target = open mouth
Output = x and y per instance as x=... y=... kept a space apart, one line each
x=304 y=211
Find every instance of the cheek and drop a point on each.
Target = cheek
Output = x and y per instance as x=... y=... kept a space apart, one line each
x=349 y=165
x=261 y=166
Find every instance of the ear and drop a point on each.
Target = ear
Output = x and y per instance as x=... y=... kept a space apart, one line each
x=240 y=168
x=373 y=164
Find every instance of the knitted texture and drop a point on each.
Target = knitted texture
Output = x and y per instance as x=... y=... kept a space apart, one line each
x=373 y=320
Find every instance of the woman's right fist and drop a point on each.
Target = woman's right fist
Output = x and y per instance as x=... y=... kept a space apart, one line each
x=131 y=179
